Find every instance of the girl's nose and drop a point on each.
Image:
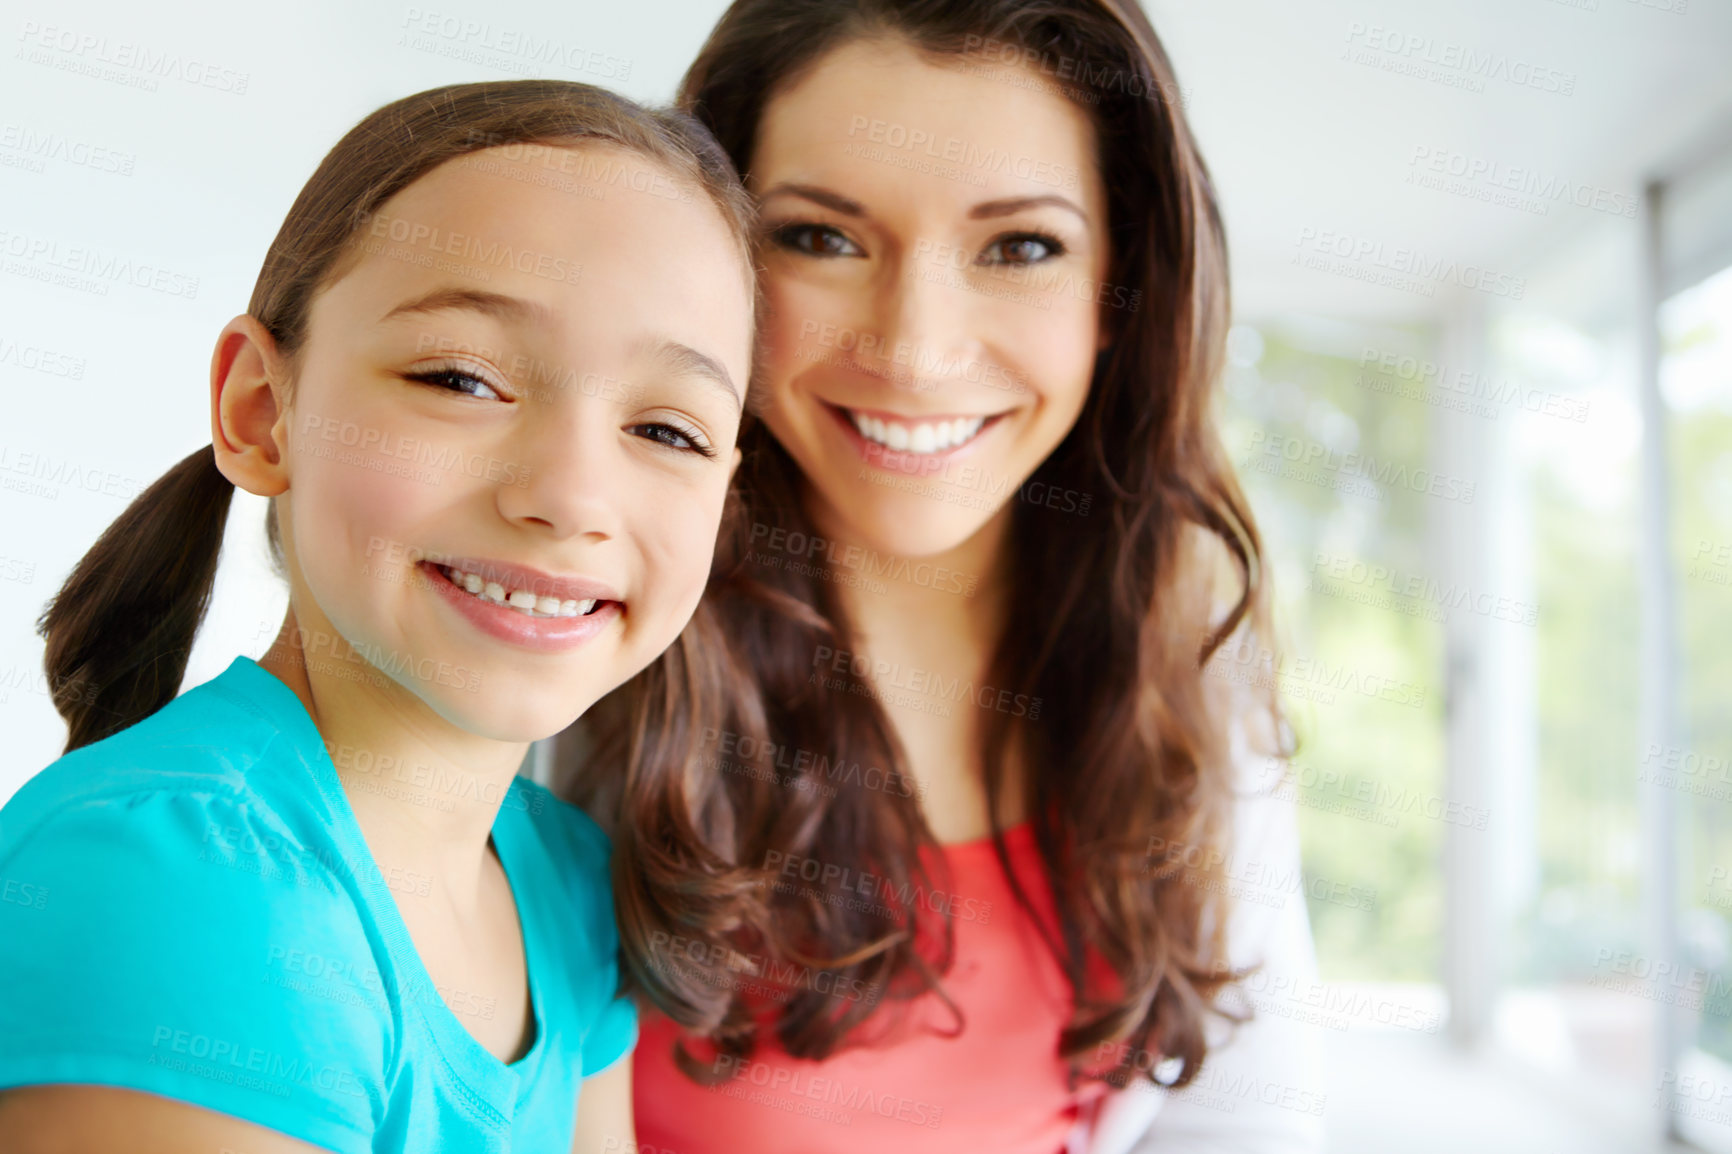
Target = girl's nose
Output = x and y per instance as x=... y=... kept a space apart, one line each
x=566 y=479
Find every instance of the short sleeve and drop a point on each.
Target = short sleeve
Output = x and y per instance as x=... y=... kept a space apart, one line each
x=185 y=946
x=611 y=1037
x=581 y=852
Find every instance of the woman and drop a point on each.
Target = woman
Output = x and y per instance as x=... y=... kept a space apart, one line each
x=965 y=818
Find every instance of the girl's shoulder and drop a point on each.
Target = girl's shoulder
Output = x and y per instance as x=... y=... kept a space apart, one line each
x=187 y=945
x=200 y=822
x=184 y=930
x=224 y=765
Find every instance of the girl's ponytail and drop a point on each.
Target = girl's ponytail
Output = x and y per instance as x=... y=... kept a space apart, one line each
x=120 y=630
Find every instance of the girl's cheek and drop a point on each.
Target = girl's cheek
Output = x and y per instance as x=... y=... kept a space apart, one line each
x=678 y=542
x=354 y=523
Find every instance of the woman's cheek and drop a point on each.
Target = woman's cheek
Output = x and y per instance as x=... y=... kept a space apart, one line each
x=798 y=314
x=1053 y=350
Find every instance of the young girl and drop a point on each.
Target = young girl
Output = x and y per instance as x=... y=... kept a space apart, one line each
x=491 y=378
x=962 y=855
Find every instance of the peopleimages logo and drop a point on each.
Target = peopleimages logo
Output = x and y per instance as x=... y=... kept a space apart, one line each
x=1428 y=58
x=1435 y=383
x=955 y=150
x=123 y=61
x=1272 y=449
x=88 y=268
x=1402 y=267
x=1515 y=186
x=39 y=147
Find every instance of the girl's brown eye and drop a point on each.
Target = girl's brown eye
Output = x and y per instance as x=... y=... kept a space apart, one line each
x=673 y=437
x=458 y=381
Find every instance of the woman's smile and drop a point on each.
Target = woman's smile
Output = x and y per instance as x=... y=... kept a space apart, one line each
x=904 y=444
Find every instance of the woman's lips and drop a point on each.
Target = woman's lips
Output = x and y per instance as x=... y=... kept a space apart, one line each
x=906 y=461
x=542 y=634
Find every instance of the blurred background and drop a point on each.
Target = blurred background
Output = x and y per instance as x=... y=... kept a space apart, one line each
x=1480 y=388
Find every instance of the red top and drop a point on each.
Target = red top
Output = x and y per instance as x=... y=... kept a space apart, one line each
x=997 y=1085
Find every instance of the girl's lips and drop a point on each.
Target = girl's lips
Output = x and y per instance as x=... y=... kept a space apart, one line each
x=542 y=634
x=903 y=462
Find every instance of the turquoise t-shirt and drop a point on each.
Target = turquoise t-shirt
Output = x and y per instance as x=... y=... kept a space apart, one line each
x=188 y=908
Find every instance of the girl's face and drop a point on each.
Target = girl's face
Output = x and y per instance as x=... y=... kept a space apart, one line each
x=512 y=431
x=936 y=242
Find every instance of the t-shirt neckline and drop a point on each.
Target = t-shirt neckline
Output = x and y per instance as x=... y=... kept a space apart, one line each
x=497 y=1082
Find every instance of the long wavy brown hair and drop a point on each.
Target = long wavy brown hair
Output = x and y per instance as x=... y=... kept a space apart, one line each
x=1119 y=614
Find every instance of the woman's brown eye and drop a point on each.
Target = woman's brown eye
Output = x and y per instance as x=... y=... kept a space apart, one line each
x=815 y=240
x=1020 y=250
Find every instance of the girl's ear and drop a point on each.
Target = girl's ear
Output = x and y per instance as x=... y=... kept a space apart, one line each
x=247 y=406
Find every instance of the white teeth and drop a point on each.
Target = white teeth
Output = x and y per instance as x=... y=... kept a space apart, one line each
x=935 y=437
x=523 y=600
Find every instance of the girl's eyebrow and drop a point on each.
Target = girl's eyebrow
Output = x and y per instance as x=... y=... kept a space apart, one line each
x=684 y=361
x=494 y=304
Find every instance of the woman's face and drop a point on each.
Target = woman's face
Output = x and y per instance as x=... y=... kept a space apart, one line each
x=511 y=434
x=936 y=242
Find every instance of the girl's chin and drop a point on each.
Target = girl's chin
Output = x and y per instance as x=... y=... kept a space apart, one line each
x=505 y=717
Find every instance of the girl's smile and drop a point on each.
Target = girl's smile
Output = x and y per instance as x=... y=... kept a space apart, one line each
x=524 y=606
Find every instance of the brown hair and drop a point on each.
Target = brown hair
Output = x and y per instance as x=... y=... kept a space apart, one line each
x=1130 y=751
x=121 y=628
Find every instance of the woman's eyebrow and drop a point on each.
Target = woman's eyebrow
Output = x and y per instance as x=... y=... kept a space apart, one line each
x=508 y=308
x=834 y=201
x=987 y=209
